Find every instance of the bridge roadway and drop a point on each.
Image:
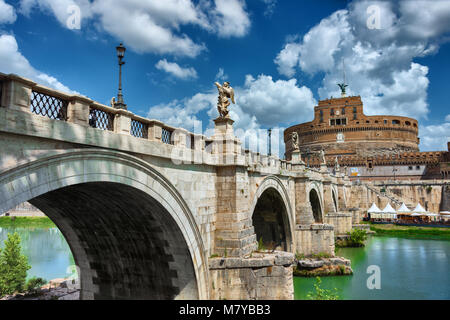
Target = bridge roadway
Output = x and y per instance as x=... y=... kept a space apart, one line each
x=156 y=212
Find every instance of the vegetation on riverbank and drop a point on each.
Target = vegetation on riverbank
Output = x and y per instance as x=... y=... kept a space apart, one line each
x=26 y=222
x=411 y=231
x=322 y=294
x=357 y=238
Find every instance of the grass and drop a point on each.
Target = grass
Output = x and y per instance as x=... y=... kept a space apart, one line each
x=26 y=222
x=411 y=231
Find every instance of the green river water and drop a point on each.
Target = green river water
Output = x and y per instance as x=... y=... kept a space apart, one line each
x=410 y=268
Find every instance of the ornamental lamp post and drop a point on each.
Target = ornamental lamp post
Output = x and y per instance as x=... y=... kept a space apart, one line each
x=120 y=54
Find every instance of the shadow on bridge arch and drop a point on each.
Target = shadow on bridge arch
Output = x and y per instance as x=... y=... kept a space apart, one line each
x=334 y=198
x=315 y=204
x=272 y=215
x=130 y=232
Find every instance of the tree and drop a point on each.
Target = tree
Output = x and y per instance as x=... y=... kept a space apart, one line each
x=13 y=266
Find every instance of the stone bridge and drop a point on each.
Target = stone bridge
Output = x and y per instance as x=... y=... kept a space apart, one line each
x=156 y=212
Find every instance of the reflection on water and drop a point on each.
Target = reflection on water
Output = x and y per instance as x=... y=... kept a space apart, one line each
x=48 y=253
x=410 y=269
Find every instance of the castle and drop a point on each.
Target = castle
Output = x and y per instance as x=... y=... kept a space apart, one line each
x=368 y=147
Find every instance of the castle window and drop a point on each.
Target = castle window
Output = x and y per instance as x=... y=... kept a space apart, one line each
x=354 y=116
x=395 y=122
x=332 y=122
x=344 y=121
x=343 y=111
x=321 y=115
x=385 y=121
x=417 y=167
x=354 y=109
x=332 y=112
x=415 y=125
x=338 y=122
x=367 y=121
x=376 y=121
x=408 y=123
x=410 y=168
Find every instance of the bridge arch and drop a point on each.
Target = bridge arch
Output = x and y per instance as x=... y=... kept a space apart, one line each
x=130 y=231
x=315 y=199
x=272 y=214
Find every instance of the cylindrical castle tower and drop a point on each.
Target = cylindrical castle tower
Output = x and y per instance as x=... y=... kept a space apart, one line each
x=340 y=127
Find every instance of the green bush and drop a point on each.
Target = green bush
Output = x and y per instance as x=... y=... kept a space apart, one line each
x=358 y=237
x=322 y=294
x=34 y=284
x=13 y=266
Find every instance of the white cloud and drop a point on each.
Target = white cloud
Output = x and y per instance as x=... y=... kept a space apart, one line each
x=60 y=8
x=12 y=61
x=253 y=111
x=435 y=137
x=7 y=13
x=288 y=59
x=221 y=76
x=379 y=64
x=175 y=70
x=276 y=102
x=447 y=118
x=153 y=25
x=230 y=18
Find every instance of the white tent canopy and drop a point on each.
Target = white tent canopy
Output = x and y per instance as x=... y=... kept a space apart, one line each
x=374 y=209
x=403 y=209
x=389 y=209
x=419 y=210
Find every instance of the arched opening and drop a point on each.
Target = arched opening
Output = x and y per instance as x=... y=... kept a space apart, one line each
x=270 y=220
x=315 y=204
x=125 y=242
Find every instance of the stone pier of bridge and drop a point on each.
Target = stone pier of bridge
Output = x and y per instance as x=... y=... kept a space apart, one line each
x=151 y=211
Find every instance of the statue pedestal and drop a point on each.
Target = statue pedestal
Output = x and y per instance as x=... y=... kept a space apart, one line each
x=297 y=163
x=223 y=127
x=224 y=141
x=323 y=167
x=297 y=157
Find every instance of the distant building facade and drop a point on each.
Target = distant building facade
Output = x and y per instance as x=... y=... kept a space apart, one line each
x=367 y=147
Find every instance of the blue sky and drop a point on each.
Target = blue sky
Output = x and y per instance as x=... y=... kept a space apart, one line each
x=280 y=56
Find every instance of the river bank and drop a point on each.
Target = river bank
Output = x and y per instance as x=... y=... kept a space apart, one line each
x=411 y=231
x=56 y=289
x=26 y=222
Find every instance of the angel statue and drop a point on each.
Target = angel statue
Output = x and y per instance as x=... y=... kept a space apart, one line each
x=225 y=92
x=342 y=86
x=322 y=157
x=336 y=164
x=295 y=141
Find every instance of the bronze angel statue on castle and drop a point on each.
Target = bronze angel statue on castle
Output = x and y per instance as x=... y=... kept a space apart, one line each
x=225 y=92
